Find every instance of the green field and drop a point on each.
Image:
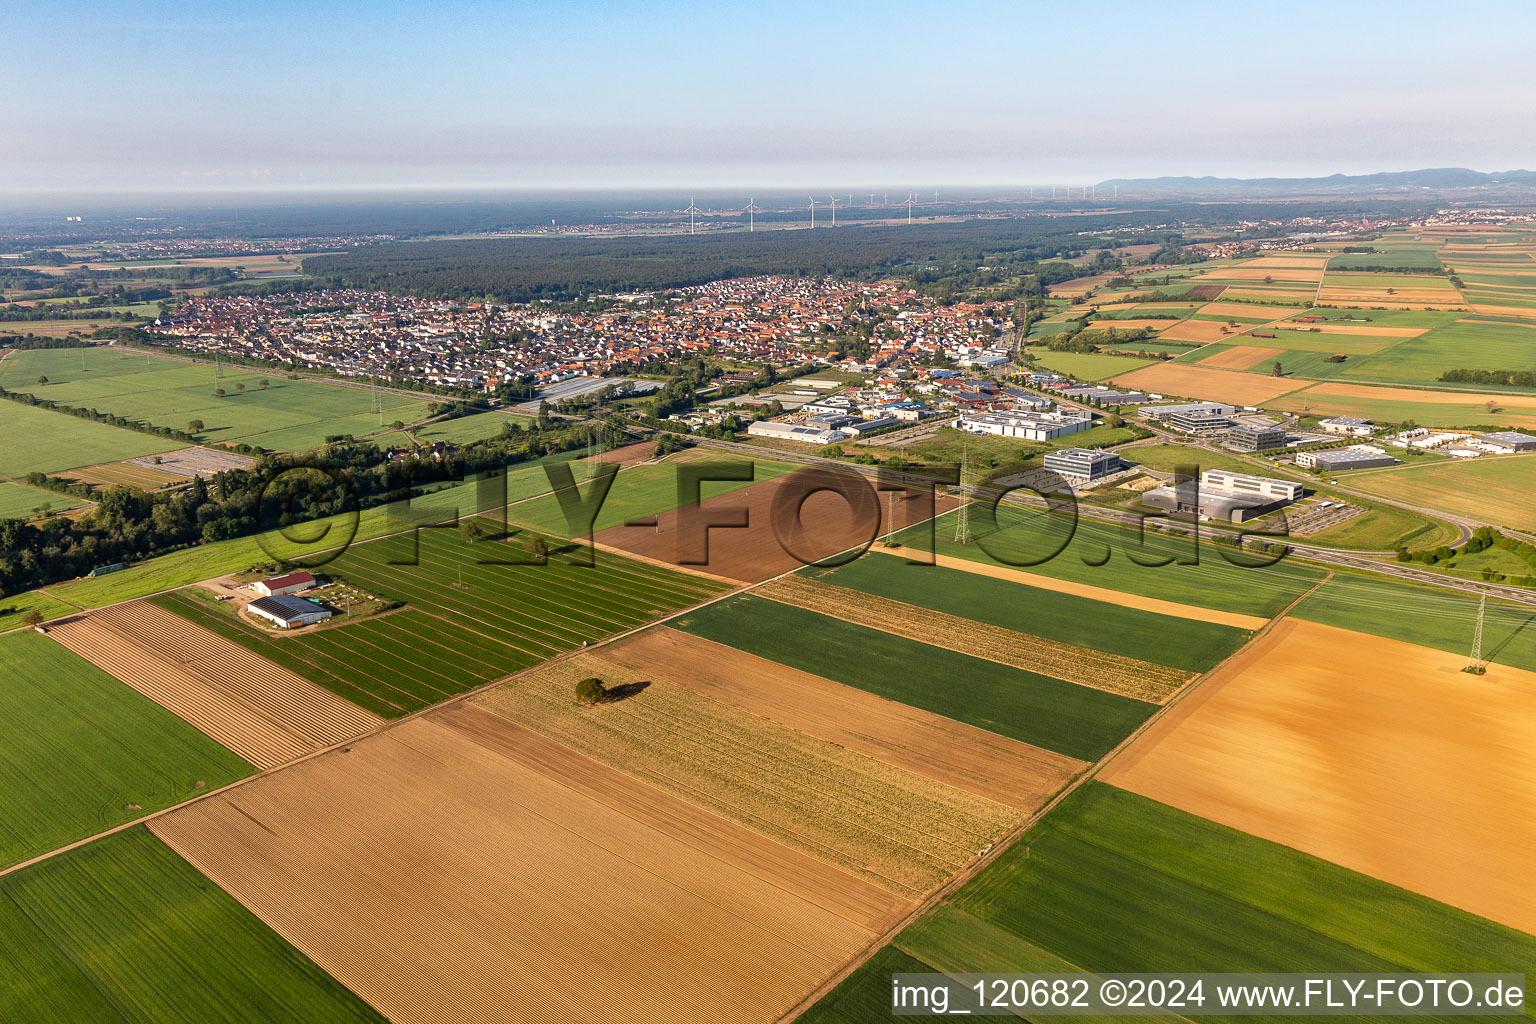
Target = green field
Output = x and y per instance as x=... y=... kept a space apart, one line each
x=205 y=561
x=38 y=440
x=1428 y=616
x=1497 y=487
x=474 y=427
x=82 y=752
x=948 y=446
x=12 y=608
x=1091 y=366
x=1114 y=882
x=1416 y=258
x=288 y=415
x=1181 y=643
x=124 y=930
x=1473 y=346
x=19 y=502
x=1168 y=457
x=1021 y=534
x=465 y=622
x=1069 y=719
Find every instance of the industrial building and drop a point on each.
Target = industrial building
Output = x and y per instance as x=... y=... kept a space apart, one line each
x=1084 y=464
x=1344 y=458
x=796 y=432
x=1507 y=441
x=1032 y=426
x=1347 y=425
x=1245 y=485
x=859 y=427
x=1194 y=417
x=1255 y=439
x=287 y=611
x=292 y=583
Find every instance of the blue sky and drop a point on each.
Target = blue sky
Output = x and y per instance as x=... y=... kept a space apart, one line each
x=161 y=94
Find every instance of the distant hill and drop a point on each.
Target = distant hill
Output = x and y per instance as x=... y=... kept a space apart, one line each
x=1435 y=179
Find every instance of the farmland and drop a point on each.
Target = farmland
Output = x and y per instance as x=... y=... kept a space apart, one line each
x=1073 y=720
x=467 y=620
x=1088 y=365
x=1485 y=345
x=1114 y=673
x=1110 y=881
x=1100 y=555
x=1400 y=404
x=38 y=440
x=82 y=753
x=464 y=429
x=287 y=415
x=125 y=930
x=1393 y=733
x=267 y=715
x=1234 y=386
x=315 y=852
x=20 y=502
x=1502 y=486
x=901 y=832
x=1180 y=643
x=944 y=750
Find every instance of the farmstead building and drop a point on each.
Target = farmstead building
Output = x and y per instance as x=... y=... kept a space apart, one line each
x=292 y=583
x=288 y=612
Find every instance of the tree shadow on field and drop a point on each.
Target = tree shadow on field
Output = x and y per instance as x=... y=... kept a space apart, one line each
x=625 y=690
x=1493 y=652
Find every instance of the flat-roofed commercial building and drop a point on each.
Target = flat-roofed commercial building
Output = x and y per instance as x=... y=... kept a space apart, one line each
x=1246 y=485
x=1255 y=439
x=1083 y=463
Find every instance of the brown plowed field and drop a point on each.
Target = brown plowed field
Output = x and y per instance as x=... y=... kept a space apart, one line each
x=1117 y=597
x=1375 y=754
x=1114 y=673
x=264 y=713
x=628 y=455
x=893 y=829
x=920 y=742
x=1244 y=309
x=458 y=870
x=1241 y=358
x=1202 y=382
x=756 y=553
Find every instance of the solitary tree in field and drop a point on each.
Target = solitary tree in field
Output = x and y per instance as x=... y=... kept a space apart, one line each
x=1491 y=405
x=472 y=531
x=194 y=426
x=264 y=383
x=590 y=691
x=398 y=424
x=239 y=385
x=32 y=618
x=1278 y=371
x=218 y=392
x=42 y=380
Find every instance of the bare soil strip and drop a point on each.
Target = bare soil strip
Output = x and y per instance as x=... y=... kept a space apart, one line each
x=1113 y=673
x=901 y=832
x=913 y=740
x=1372 y=753
x=262 y=712
x=1124 y=600
x=442 y=880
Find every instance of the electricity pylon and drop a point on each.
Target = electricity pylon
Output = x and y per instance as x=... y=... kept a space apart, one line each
x=1475 y=661
x=963 y=516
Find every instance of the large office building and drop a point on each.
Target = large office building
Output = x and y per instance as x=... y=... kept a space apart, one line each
x=1083 y=464
x=1255 y=439
x=1032 y=426
x=1347 y=425
x=1343 y=458
x=1192 y=417
x=1245 y=485
x=1232 y=497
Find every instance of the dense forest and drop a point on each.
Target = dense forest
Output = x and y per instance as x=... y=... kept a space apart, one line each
x=559 y=270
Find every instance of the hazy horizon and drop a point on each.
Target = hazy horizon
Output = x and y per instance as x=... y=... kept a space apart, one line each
x=171 y=96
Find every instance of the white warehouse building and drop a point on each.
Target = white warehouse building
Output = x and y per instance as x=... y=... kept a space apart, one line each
x=1032 y=426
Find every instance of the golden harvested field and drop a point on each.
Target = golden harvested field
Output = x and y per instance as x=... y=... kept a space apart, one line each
x=1196 y=330
x=917 y=741
x=1079 y=285
x=1306 y=275
x=1289 y=261
x=1375 y=754
x=1115 y=597
x=1114 y=673
x=1359 y=330
x=894 y=829
x=1483 y=307
x=121 y=473
x=457 y=867
x=1229 y=386
x=1400 y=299
x=1331 y=399
x=264 y=713
x=1131 y=325
x=1241 y=358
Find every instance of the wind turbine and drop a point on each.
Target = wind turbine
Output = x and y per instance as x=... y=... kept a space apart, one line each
x=752 y=209
x=813 y=212
x=911 y=198
x=691 y=212
x=833 y=203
